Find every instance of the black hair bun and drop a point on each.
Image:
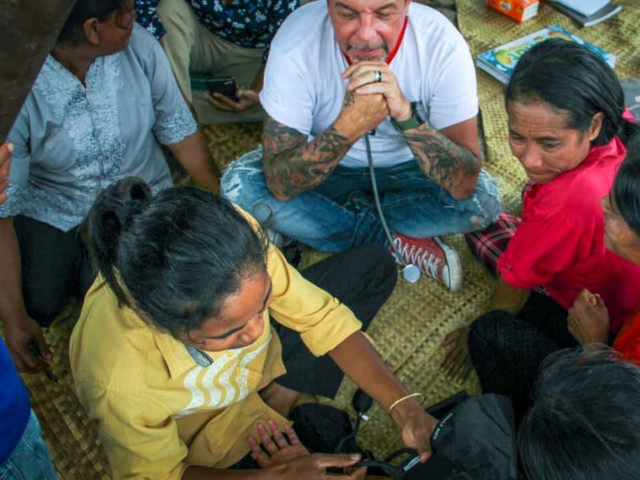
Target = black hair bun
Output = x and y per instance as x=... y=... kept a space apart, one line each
x=131 y=195
x=116 y=206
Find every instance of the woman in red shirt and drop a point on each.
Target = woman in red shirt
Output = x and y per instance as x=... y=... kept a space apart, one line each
x=589 y=320
x=565 y=107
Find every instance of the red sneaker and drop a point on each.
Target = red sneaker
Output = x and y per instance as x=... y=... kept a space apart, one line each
x=432 y=256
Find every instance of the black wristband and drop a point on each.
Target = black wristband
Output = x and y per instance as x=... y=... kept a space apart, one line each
x=413 y=122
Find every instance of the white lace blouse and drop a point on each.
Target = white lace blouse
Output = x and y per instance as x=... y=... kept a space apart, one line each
x=71 y=140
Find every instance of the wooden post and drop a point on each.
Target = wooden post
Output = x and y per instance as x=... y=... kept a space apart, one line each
x=28 y=32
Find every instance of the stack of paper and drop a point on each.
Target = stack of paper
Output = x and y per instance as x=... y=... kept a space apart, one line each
x=584 y=7
x=587 y=12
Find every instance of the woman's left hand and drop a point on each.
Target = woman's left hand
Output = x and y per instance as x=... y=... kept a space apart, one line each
x=589 y=319
x=273 y=448
x=417 y=426
x=457 y=366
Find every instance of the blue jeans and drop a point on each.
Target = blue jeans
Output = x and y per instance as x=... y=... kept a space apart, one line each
x=341 y=213
x=30 y=459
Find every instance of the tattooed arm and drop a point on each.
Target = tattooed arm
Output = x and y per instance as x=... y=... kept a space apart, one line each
x=451 y=157
x=293 y=166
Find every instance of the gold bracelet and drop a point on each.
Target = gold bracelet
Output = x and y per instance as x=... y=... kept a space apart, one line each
x=400 y=400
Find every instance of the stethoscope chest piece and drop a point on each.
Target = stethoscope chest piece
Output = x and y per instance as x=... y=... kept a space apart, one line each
x=411 y=273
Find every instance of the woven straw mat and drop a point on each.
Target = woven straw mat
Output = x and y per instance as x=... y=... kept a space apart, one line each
x=410 y=328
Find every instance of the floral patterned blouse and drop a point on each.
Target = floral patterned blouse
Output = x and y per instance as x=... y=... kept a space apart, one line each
x=247 y=23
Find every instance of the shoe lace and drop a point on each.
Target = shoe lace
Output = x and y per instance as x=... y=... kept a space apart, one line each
x=426 y=261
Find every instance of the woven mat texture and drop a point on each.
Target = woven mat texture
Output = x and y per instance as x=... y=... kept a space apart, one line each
x=410 y=328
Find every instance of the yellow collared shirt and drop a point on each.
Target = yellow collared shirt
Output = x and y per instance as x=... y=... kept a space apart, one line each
x=158 y=410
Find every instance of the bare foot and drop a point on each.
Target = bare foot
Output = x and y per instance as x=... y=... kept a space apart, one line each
x=283 y=399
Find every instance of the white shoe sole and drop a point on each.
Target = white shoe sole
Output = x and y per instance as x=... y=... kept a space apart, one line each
x=453 y=263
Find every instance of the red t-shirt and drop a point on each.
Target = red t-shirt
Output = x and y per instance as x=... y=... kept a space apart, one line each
x=628 y=340
x=560 y=242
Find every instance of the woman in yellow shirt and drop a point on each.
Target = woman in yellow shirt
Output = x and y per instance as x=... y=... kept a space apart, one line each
x=174 y=353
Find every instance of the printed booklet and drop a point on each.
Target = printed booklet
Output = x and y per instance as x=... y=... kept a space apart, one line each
x=500 y=62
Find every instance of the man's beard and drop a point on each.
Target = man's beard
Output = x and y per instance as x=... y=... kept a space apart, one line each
x=353 y=52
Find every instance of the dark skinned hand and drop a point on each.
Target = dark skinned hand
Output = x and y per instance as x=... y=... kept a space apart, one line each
x=457 y=366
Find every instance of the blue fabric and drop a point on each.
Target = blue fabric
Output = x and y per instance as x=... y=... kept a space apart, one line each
x=72 y=141
x=14 y=405
x=30 y=459
x=247 y=23
x=341 y=213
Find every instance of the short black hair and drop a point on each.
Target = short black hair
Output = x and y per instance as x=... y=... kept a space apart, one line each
x=585 y=420
x=83 y=10
x=174 y=257
x=573 y=79
x=626 y=187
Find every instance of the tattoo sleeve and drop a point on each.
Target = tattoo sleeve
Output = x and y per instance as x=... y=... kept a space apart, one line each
x=293 y=166
x=442 y=160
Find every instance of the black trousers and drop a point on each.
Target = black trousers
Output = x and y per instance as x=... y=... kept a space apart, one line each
x=507 y=350
x=362 y=278
x=55 y=267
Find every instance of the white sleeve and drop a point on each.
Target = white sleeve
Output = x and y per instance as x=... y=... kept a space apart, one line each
x=287 y=92
x=454 y=97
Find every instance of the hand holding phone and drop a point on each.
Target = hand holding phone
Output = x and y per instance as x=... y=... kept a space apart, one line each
x=225 y=86
x=224 y=95
x=35 y=351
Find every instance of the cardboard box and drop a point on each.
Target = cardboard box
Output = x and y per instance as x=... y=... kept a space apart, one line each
x=519 y=10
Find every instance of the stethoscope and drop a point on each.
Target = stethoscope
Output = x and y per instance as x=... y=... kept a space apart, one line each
x=410 y=272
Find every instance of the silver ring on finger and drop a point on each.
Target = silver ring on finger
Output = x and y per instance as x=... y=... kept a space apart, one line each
x=377 y=76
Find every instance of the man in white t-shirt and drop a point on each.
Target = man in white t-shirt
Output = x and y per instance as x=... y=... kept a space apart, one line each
x=344 y=74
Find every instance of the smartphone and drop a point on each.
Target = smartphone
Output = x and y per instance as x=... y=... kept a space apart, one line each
x=224 y=86
x=32 y=345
